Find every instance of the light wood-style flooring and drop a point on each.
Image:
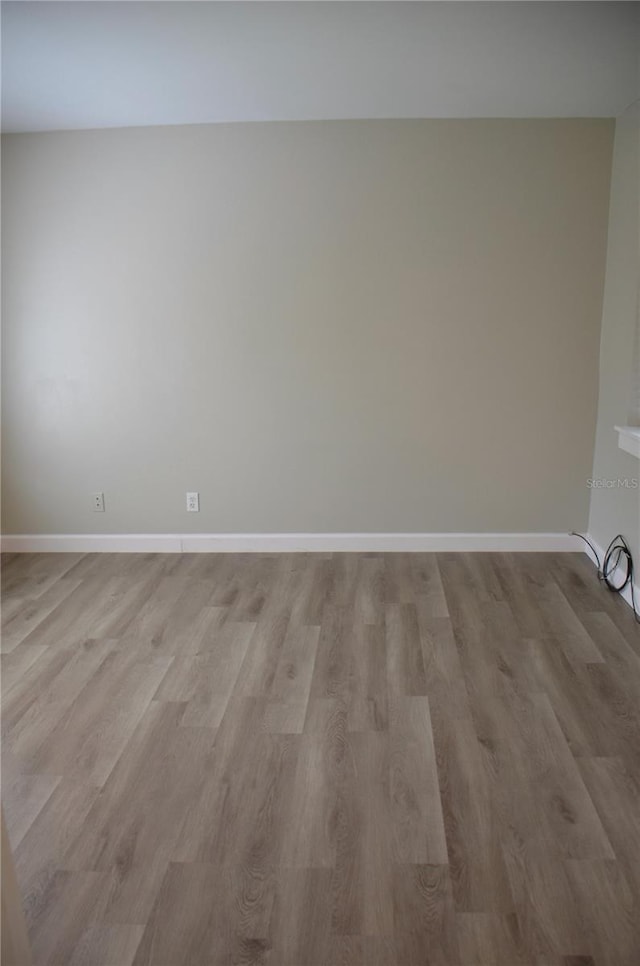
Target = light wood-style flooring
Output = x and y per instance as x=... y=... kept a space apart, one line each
x=322 y=759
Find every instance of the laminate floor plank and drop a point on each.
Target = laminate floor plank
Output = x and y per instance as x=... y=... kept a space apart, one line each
x=369 y=600
x=615 y=792
x=488 y=939
x=204 y=681
x=14 y=665
x=106 y=944
x=564 y=627
x=197 y=920
x=405 y=663
x=31 y=712
x=18 y=624
x=362 y=886
x=60 y=918
x=368 y=701
x=473 y=822
x=570 y=692
x=541 y=790
x=89 y=739
x=23 y=798
x=611 y=931
x=549 y=916
x=418 y=833
x=445 y=684
x=424 y=919
x=574 y=574
x=33 y=574
x=325 y=759
x=42 y=853
x=362 y=951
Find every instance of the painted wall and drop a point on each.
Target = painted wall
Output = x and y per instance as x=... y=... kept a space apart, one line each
x=326 y=326
x=616 y=508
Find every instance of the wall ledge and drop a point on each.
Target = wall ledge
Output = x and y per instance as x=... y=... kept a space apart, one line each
x=629 y=439
x=286 y=542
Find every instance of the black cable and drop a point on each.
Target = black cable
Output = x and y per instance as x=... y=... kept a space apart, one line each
x=620 y=548
x=574 y=533
x=617 y=550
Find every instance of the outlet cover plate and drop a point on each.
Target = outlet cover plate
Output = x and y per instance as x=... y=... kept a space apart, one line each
x=193 y=502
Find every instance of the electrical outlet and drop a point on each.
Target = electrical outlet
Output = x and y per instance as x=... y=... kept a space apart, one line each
x=98 y=502
x=193 y=502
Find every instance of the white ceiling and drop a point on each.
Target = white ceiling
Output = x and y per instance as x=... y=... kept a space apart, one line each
x=111 y=64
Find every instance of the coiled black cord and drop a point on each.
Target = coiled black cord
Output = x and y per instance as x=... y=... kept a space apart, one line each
x=617 y=551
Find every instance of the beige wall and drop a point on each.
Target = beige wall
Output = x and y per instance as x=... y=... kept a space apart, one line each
x=340 y=326
x=617 y=509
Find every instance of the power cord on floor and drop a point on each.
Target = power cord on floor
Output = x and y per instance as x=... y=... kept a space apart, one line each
x=617 y=551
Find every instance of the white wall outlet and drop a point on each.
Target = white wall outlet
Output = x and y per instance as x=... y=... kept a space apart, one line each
x=98 y=502
x=193 y=502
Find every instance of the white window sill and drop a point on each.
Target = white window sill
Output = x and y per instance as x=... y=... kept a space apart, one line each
x=629 y=439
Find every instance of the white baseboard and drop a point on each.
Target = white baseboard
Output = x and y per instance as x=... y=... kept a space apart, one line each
x=286 y=542
x=92 y=543
x=618 y=573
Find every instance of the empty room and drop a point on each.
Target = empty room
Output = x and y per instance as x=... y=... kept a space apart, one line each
x=320 y=483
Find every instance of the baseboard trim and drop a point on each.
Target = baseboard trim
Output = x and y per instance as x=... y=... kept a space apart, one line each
x=619 y=571
x=287 y=542
x=91 y=543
